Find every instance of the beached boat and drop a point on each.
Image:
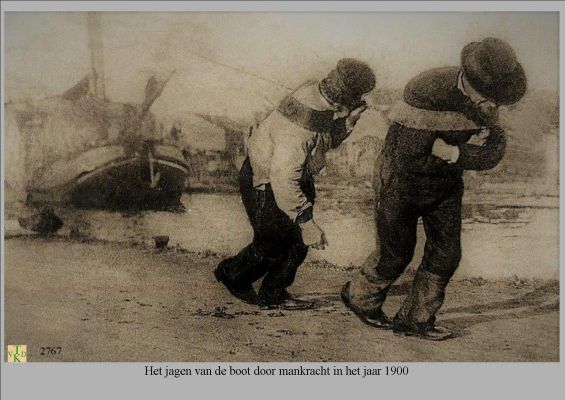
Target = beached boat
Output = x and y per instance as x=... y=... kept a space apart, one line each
x=82 y=149
x=91 y=153
x=109 y=178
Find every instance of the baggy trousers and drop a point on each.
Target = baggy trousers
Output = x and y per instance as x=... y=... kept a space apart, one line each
x=399 y=205
x=277 y=249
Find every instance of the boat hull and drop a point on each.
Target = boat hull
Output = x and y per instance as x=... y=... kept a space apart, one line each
x=109 y=179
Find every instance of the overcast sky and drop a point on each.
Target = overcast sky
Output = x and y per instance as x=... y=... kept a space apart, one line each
x=46 y=53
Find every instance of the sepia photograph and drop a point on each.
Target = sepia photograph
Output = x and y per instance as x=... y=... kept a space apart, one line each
x=289 y=187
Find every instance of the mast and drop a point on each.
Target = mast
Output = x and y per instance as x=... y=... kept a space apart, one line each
x=96 y=77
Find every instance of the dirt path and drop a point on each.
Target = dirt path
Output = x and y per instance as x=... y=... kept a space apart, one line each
x=112 y=302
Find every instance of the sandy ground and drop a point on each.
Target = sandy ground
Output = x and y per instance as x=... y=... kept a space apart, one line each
x=116 y=302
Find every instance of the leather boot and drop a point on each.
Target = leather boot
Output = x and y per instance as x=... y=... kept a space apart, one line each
x=417 y=315
x=375 y=317
x=242 y=291
x=270 y=299
x=366 y=293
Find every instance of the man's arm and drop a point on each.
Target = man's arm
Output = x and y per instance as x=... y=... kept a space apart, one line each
x=339 y=132
x=287 y=165
x=483 y=114
x=487 y=156
x=343 y=127
x=414 y=148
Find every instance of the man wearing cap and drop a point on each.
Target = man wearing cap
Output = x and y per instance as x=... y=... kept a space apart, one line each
x=447 y=123
x=276 y=182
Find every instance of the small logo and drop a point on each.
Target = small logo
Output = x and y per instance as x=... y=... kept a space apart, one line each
x=17 y=353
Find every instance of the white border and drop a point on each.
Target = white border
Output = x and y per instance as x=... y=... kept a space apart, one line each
x=427 y=380
x=284 y=6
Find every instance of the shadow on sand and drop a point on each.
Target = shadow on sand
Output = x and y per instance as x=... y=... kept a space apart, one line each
x=542 y=300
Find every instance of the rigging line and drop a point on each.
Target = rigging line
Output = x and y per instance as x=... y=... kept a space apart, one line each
x=241 y=71
x=237 y=69
x=256 y=76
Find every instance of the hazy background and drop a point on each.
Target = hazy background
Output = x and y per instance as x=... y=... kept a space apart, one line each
x=100 y=278
x=510 y=215
x=46 y=53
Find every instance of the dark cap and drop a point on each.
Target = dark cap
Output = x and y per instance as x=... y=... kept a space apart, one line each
x=350 y=80
x=492 y=69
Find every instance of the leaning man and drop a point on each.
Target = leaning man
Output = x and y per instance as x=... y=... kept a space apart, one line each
x=447 y=123
x=276 y=182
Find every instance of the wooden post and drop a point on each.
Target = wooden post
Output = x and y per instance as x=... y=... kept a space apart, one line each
x=96 y=79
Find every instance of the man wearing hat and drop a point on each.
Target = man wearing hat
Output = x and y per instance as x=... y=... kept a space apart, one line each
x=446 y=123
x=276 y=182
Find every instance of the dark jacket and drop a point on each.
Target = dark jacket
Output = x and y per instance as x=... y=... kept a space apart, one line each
x=435 y=107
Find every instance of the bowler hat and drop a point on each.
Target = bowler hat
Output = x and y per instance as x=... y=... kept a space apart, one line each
x=492 y=69
x=346 y=83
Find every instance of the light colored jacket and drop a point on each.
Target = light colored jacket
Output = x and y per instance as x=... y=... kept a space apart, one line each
x=284 y=153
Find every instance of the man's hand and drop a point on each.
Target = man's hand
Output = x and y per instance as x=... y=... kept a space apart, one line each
x=488 y=112
x=445 y=151
x=353 y=117
x=312 y=235
x=480 y=138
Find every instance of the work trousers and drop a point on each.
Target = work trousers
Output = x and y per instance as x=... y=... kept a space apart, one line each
x=400 y=202
x=277 y=249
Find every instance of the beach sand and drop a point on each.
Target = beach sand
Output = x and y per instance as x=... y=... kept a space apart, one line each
x=108 y=301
